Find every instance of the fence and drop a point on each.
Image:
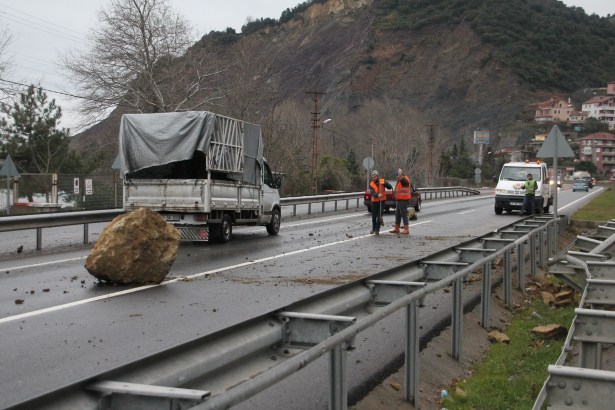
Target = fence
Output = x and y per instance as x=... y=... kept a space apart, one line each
x=36 y=193
x=586 y=383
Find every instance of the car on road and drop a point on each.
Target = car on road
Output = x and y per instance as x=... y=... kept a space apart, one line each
x=580 y=185
x=389 y=203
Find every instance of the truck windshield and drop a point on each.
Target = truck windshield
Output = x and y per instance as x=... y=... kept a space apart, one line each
x=512 y=173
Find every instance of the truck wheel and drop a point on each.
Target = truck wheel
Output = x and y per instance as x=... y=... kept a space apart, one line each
x=498 y=210
x=273 y=227
x=417 y=207
x=226 y=229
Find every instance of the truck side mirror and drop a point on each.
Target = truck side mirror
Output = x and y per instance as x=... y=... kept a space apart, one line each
x=495 y=178
x=277 y=182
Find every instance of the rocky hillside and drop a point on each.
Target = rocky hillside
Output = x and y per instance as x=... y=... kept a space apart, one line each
x=391 y=66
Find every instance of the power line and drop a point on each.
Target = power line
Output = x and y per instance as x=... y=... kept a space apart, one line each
x=28 y=22
x=57 y=92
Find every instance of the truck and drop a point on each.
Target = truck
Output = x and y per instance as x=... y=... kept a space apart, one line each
x=201 y=171
x=508 y=193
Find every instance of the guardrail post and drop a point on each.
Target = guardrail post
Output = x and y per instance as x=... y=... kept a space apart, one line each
x=39 y=239
x=521 y=265
x=309 y=208
x=294 y=210
x=335 y=206
x=323 y=207
x=337 y=378
x=541 y=247
x=457 y=318
x=486 y=295
x=533 y=254
x=412 y=354
x=86 y=229
x=507 y=278
x=555 y=231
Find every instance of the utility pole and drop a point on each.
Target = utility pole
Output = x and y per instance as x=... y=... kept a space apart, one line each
x=315 y=126
x=430 y=146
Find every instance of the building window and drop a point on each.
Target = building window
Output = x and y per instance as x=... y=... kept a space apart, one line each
x=598 y=149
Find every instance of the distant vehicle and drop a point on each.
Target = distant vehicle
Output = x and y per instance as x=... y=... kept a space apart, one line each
x=590 y=181
x=580 y=185
x=389 y=203
x=508 y=193
x=559 y=181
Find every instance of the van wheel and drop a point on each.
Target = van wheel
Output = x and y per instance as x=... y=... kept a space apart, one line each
x=273 y=227
x=417 y=207
x=226 y=229
x=498 y=210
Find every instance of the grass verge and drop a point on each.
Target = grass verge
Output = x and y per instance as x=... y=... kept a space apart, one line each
x=599 y=209
x=512 y=374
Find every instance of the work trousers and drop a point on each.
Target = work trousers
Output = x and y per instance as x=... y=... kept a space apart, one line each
x=529 y=204
x=401 y=212
x=376 y=216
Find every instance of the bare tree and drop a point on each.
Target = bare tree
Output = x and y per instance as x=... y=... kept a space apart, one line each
x=6 y=88
x=137 y=61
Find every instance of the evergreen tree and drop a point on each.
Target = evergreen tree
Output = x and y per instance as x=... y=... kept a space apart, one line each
x=29 y=133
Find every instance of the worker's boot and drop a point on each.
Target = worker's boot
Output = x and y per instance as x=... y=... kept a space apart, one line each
x=395 y=230
x=405 y=231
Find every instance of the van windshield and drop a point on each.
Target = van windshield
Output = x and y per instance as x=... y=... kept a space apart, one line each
x=519 y=173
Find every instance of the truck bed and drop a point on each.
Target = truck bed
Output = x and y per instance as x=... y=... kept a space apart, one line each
x=190 y=195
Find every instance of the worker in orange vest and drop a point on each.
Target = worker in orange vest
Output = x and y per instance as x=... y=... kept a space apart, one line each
x=402 y=198
x=378 y=196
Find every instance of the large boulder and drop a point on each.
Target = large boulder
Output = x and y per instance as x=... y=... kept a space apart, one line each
x=137 y=247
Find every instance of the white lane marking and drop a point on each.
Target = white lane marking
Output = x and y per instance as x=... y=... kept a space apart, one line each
x=35 y=265
x=167 y=282
x=467 y=212
x=321 y=220
x=580 y=199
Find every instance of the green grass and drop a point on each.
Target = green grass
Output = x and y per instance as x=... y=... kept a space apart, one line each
x=512 y=374
x=599 y=209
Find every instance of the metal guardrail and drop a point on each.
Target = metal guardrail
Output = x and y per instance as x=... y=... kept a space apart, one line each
x=592 y=272
x=55 y=219
x=225 y=368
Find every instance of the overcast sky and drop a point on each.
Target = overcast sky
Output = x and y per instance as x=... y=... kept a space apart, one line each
x=42 y=29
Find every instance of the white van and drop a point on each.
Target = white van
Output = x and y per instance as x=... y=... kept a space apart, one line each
x=508 y=193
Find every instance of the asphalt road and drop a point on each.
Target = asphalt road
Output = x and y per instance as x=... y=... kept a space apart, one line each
x=59 y=325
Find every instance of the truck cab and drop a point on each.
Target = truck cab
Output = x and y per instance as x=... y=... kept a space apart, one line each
x=509 y=194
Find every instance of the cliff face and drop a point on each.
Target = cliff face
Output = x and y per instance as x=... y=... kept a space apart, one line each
x=442 y=71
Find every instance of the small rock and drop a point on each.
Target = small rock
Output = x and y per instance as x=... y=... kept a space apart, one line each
x=498 y=337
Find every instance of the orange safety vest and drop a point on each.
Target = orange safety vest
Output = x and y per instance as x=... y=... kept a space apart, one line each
x=402 y=193
x=378 y=188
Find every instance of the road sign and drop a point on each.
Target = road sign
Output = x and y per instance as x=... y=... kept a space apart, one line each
x=555 y=146
x=8 y=168
x=477 y=171
x=368 y=163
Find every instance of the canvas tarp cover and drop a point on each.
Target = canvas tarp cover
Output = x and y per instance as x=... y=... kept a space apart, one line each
x=149 y=140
